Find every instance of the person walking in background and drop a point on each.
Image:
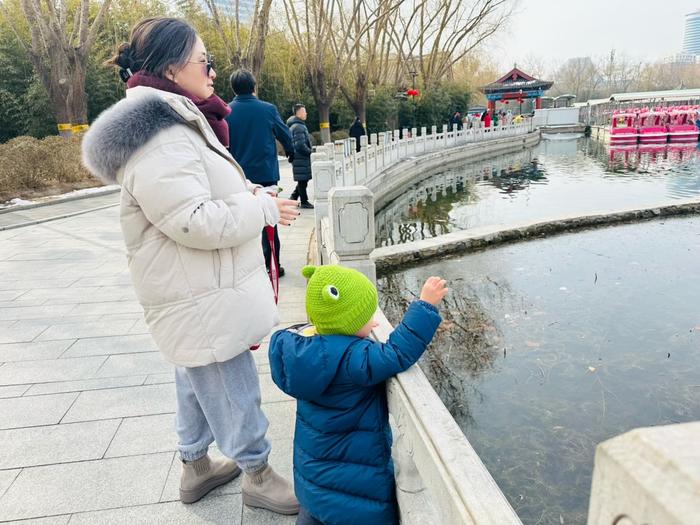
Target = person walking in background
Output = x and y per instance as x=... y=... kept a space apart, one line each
x=191 y=225
x=486 y=119
x=356 y=131
x=456 y=120
x=253 y=127
x=301 y=164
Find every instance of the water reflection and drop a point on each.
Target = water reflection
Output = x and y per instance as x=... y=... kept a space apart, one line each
x=557 y=177
x=552 y=346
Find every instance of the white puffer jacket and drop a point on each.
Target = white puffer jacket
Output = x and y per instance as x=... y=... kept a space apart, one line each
x=191 y=225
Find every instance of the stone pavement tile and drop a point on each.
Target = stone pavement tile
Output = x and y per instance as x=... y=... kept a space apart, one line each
x=270 y=392
x=10 y=295
x=123 y=402
x=220 y=510
x=85 y=486
x=156 y=379
x=264 y=369
x=111 y=307
x=79 y=330
x=31 y=284
x=253 y=516
x=121 y=279
x=281 y=416
x=19 y=331
x=52 y=520
x=119 y=344
x=33 y=351
x=28 y=447
x=75 y=295
x=22 y=302
x=47 y=370
x=144 y=435
x=140 y=327
x=17 y=412
x=13 y=391
x=171 y=491
x=84 y=385
x=134 y=364
x=6 y=479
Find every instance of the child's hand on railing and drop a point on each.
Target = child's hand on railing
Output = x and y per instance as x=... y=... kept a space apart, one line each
x=434 y=290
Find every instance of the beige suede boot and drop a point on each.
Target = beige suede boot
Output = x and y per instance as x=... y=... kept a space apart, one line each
x=268 y=490
x=201 y=476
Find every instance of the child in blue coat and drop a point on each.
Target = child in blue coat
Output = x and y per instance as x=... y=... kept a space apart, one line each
x=343 y=473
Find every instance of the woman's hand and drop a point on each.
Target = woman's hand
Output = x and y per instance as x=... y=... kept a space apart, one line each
x=289 y=210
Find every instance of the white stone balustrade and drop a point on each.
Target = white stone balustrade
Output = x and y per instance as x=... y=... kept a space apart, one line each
x=648 y=476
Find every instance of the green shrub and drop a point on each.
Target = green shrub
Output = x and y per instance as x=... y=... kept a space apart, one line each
x=31 y=167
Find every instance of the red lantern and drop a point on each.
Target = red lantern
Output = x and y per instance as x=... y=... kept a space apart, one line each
x=413 y=93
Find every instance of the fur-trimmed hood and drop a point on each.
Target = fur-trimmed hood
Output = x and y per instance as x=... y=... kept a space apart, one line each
x=122 y=129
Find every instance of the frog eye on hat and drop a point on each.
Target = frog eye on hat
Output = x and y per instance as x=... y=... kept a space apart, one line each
x=331 y=292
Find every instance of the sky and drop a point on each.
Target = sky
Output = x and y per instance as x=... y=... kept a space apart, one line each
x=555 y=30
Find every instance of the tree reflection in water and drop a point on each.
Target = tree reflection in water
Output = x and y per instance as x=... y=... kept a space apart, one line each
x=465 y=346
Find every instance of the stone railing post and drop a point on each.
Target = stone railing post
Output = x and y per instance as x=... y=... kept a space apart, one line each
x=433 y=134
x=364 y=154
x=323 y=176
x=423 y=138
x=351 y=215
x=374 y=138
x=444 y=135
x=648 y=475
x=396 y=146
x=339 y=159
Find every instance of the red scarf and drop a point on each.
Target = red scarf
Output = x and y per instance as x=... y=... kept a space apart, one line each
x=213 y=108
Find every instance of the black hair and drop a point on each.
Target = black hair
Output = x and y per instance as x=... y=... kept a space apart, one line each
x=243 y=82
x=156 y=45
x=297 y=107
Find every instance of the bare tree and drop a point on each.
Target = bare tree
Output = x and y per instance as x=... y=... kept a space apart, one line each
x=618 y=73
x=433 y=35
x=369 y=64
x=578 y=76
x=61 y=39
x=252 y=38
x=326 y=34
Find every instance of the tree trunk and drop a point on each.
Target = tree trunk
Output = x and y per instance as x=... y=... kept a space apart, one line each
x=324 y=115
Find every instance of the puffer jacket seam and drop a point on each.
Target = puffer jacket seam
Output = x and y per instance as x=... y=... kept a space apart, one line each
x=326 y=433
x=350 y=494
x=380 y=467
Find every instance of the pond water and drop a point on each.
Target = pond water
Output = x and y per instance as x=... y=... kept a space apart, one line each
x=549 y=347
x=557 y=177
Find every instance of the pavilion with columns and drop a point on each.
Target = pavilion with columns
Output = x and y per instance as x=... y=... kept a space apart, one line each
x=515 y=87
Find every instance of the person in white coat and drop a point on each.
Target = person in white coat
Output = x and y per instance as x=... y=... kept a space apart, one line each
x=191 y=224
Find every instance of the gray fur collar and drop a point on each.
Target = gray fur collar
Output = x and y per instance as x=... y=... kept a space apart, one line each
x=122 y=129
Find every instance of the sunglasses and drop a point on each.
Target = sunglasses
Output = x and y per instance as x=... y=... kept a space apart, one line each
x=209 y=63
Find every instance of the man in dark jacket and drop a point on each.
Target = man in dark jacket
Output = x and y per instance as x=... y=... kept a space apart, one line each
x=253 y=127
x=301 y=165
x=456 y=120
x=356 y=131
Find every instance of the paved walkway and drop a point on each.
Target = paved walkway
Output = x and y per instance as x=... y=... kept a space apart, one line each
x=86 y=401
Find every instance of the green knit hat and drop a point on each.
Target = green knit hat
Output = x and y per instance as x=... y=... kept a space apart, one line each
x=338 y=300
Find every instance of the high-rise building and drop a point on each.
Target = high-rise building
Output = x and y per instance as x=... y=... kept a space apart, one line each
x=691 y=35
x=227 y=8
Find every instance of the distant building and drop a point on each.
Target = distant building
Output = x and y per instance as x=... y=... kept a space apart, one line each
x=227 y=8
x=682 y=58
x=691 y=35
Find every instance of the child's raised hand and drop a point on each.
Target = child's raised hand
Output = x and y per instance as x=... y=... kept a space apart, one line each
x=434 y=290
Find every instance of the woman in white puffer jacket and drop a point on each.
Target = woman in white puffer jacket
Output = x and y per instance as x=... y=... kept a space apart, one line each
x=191 y=224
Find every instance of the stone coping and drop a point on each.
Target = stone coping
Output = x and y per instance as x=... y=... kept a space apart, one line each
x=464 y=241
x=85 y=193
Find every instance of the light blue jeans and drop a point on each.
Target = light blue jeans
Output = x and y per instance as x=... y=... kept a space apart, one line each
x=221 y=402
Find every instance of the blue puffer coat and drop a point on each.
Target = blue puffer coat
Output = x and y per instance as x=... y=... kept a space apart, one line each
x=343 y=474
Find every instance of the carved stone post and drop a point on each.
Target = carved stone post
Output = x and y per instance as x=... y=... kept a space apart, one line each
x=323 y=175
x=351 y=214
x=648 y=475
